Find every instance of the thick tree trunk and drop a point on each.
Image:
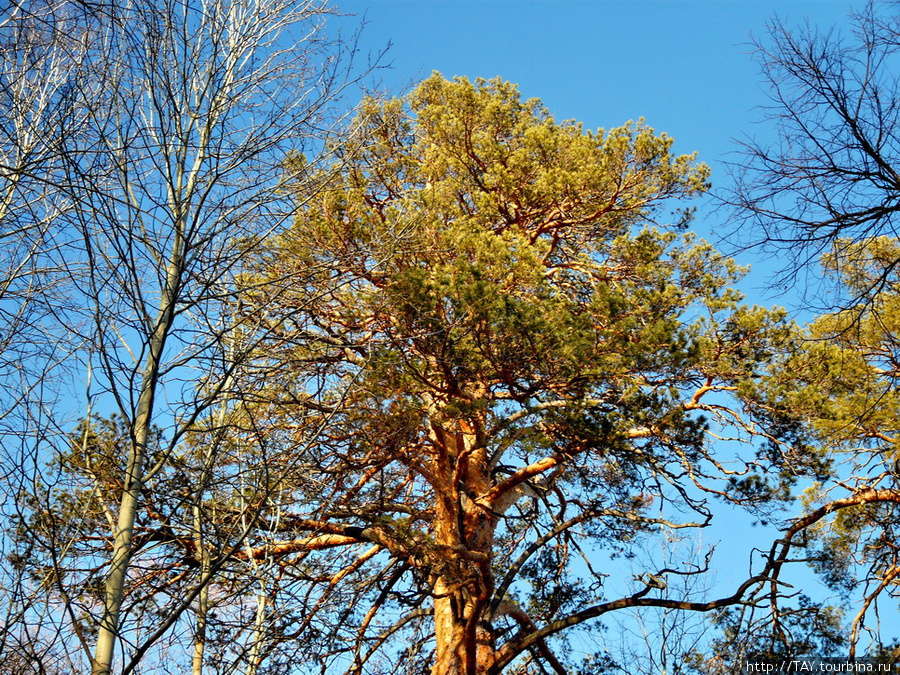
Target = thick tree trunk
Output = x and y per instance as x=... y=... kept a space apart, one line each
x=464 y=532
x=465 y=646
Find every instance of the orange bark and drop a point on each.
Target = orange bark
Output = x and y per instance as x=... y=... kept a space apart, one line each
x=464 y=533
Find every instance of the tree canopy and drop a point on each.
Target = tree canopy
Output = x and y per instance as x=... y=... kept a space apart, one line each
x=454 y=394
x=524 y=372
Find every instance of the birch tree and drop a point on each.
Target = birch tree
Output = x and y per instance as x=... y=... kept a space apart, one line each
x=174 y=176
x=42 y=49
x=824 y=194
x=41 y=53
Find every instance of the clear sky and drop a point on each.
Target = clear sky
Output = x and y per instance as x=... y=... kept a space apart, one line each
x=686 y=66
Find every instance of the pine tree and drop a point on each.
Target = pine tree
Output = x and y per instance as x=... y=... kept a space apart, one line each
x=525 y=369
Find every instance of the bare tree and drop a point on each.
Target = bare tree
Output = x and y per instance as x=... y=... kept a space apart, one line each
x=173 y=175
x=831 y=174
x=41 y=58
x=41 y=52
x=826 y=192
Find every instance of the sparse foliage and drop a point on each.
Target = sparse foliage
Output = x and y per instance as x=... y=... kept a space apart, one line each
x=826 y=192
x=830 y=175
x=152 y=136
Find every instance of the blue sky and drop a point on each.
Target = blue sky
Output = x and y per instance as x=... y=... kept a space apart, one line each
x=686 y=66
